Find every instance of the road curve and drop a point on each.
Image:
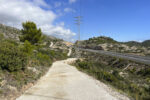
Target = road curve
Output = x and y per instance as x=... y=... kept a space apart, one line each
x=136 y=58
x=51 y=44
x=70 y=51
x=65 y=82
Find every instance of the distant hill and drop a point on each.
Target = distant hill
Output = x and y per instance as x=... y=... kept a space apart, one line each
x=109 y=44
x=101 y=40
x=133 y=43
x=146 y=43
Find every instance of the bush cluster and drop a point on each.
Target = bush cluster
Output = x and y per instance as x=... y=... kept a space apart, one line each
x=111 y=76
x=44 y=59
x=12 y=58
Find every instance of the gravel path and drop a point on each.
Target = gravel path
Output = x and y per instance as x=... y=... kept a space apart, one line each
x=65 y=82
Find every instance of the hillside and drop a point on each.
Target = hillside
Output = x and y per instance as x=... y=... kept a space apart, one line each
x=128 y=77
x=109 y=44
x=10 y=32
x=13 y=33
x=133 y=43
x=146 y=43
x=23 y=63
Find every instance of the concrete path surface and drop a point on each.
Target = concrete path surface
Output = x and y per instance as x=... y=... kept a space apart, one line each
x=51 y=44
x=65 y=82
x=70 y=51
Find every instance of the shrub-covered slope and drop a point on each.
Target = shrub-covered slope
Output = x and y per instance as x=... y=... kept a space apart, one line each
x=23 y=63
x=128 y=77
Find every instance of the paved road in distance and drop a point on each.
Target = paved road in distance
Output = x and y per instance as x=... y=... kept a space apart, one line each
x=136 y=58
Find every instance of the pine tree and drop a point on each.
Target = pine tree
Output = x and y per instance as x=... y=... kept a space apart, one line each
x=31 y=33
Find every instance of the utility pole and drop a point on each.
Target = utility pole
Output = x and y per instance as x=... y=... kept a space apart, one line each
x=78 y=23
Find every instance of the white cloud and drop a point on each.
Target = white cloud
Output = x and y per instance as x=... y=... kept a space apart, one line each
x=61 y=24
x=14 y=12
x=41 y=3
x=58 y=31
x=72 y=1
x=69 y=10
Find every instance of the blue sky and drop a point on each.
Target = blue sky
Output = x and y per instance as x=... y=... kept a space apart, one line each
x=123 y=20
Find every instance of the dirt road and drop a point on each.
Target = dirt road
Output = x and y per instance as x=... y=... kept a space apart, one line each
x=65 y=82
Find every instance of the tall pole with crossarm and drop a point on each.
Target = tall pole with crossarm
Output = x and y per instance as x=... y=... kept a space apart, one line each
x=78 y=23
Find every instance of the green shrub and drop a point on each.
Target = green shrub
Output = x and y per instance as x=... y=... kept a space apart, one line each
x=1 y=36
x=28 y=48
x=144 y=72
x=44 y=59
x=11 y=57
x=1 y=91
x=83 y=65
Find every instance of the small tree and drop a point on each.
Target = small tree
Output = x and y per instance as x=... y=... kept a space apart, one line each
x=31 y=33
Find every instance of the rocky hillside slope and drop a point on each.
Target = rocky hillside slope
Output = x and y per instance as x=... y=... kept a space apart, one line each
x=22 y=64
x=10 y=32
x=108 y=44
